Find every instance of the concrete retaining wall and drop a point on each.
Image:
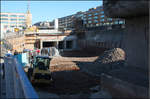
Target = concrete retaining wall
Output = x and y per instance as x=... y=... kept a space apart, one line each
x=102 y=39
x=122 y=89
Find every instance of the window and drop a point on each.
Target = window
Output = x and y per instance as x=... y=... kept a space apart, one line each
x=85 y=22
x=21 y=23
x=109 y=19
x=102 y=20
x=102 y=16
x=21 y=19
x=13 y=15
x=89 y=21
x=5 y=22
x=90 y=15
x=101 y=24
x=84 y=18
x=4 y=18
x=97 y=24
x=90 y=18
x=21 y=15
x=13 y=23
x=95 y=17
x=107 y=23
x=95 y=21
x=4 y=15
x=13 y=19
x=121 y=22
x=104 y=24
x=116 y=22
x=91 y=25
x=95 y=13
x=102 y=12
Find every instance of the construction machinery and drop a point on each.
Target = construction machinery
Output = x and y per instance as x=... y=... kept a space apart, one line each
x=40 y=71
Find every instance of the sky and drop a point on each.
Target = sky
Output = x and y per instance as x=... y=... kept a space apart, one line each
x=48 y=10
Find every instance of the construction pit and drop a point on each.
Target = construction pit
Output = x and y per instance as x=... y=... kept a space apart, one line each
x=70 y=79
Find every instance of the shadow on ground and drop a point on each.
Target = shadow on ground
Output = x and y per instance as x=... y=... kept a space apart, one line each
x=69 y=82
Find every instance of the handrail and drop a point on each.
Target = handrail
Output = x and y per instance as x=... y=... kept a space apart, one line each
x=17 y=83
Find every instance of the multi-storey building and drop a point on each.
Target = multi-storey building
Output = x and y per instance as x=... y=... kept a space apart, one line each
x=96 y=17
x=91 y=18
x=66 y=22
x=15 y=20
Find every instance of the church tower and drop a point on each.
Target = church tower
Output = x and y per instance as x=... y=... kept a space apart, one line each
x=28 y=16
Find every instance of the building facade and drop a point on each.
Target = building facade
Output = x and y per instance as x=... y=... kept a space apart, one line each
x=17 y=42
x=92 y=18
x=96 y=17
x=15 y=20
x=66 y=22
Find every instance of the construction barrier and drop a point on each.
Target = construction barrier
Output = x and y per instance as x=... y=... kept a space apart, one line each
x=17 y=83
x=23 y=59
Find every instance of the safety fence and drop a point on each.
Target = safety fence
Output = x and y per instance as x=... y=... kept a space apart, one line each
x=17 y=83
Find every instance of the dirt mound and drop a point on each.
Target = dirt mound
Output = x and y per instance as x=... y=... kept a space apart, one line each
x=113 y=55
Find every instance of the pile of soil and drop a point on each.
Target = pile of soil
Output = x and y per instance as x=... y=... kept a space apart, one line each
x=108 y=61
x=113 y=55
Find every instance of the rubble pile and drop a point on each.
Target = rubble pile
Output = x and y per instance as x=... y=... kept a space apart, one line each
x=113 y=55
x=110 y=60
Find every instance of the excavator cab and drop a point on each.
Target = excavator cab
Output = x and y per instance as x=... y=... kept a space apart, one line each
x=40 y=72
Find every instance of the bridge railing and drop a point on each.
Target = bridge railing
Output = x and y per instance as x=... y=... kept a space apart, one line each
x=17 y=83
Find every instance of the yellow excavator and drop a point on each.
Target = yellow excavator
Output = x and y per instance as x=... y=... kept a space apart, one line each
x=40 y=71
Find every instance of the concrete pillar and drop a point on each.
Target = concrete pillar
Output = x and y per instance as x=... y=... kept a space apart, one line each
x=41 y=44
x=74 y=44
x=57 y=43
x=135 y=39
x=65 y=44
x=136 y=42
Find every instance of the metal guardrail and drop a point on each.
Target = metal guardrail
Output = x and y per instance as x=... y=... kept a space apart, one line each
x=17 y=83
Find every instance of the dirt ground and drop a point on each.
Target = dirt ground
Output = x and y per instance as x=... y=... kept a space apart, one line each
x=70 y=81
x=68 y=78
x=68 y=63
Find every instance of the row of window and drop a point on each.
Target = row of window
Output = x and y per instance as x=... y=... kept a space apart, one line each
x=106 y=23
x=102 y=12
x=14 y=22
x=96 y=17
x=12 y=19
x=5 y=15
x=96 y=21
x=6 y=26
